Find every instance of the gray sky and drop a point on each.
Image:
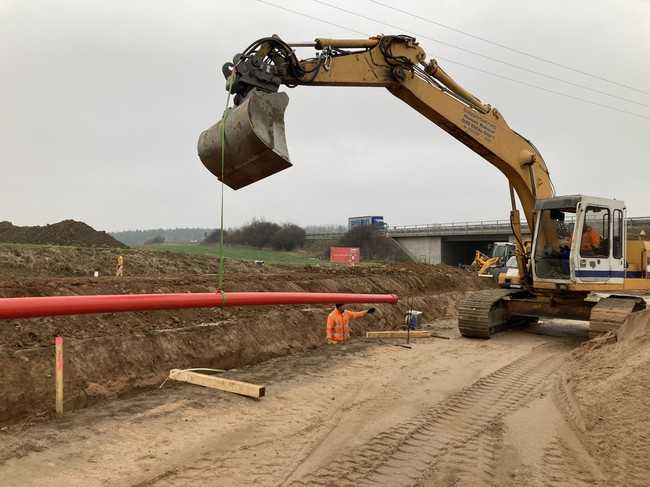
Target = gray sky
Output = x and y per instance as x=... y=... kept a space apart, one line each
x=102 y=103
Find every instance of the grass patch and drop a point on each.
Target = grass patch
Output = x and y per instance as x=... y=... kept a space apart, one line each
x=235 y=252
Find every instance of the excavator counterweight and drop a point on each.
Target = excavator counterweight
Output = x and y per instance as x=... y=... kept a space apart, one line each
x=255 y=144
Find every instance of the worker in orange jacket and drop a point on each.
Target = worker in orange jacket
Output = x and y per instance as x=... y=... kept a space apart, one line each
x=591 y=241
x=338 y=323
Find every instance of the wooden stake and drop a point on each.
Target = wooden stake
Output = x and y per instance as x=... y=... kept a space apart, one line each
x=228 y=385
x=398 y=334
x=58 y=351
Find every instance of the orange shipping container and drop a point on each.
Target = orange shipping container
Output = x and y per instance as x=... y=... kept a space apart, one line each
x=345 y=255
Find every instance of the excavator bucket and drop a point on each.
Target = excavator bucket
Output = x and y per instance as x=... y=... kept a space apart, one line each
x=255 y=144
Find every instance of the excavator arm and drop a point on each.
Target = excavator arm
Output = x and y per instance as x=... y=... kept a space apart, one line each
x=253 y=131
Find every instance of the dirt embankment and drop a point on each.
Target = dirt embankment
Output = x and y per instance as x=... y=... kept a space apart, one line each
x=609 y=384
x=111 y=354
x=66 y=232
x=54 y=261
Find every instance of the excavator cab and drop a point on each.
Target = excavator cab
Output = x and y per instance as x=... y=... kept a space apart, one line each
x=580 y=239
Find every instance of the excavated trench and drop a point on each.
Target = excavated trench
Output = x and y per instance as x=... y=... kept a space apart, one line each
x=114 y=354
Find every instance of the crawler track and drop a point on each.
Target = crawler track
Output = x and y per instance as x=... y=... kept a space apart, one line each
x=480 y=315
x=610 y=313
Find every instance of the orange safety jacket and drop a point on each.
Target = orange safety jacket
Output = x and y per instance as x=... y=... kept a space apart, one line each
x=590 y=241
x=338 y=324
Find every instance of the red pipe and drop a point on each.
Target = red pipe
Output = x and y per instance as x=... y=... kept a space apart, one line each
x=33 y=307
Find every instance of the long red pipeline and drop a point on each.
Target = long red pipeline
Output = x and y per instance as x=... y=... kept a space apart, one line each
x=33 y=307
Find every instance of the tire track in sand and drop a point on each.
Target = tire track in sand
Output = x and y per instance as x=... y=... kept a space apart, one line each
x=561 y=468
x=457 y=439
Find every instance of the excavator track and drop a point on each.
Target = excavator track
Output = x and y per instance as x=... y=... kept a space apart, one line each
x=610 y=313
x=480 y=314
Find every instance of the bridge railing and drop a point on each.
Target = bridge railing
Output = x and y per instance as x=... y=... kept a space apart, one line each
x=324 y=236
x=452 y=228
x=456 y=228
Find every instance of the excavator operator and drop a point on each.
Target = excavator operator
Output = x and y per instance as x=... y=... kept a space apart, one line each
x=591 y=240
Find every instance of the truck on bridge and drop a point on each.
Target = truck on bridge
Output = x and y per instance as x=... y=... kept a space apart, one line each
x=369 y=221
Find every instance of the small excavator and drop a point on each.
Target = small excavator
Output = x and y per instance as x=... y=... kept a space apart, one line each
x=580 y=264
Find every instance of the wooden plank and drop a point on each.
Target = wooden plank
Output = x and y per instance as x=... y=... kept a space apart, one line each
x=228 y=385
x=433 y=335
x=398 y=334
x=58 y=366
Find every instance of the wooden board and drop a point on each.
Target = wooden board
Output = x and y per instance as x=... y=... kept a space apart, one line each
x=228 y=385
x=398 y=334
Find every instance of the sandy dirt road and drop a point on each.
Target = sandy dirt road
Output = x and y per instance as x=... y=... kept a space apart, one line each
x=446 y=412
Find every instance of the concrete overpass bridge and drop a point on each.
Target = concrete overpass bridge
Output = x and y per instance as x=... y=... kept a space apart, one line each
x=448 y=243
x=455 y=243
x=452 y=243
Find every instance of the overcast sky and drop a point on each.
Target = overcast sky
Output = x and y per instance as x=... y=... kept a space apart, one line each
x=101 y=104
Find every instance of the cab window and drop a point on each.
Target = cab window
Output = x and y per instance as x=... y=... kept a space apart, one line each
x=500 y=251
x=595 y=238
x=553 y=243
x=618 y=234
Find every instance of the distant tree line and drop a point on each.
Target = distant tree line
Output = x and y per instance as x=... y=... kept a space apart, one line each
x=171 y=235
x=158 y=239
x=260 y=234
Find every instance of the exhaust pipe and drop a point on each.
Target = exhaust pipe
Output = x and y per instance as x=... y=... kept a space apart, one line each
x=255 y=142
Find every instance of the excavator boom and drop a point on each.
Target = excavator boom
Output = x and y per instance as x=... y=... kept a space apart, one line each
x=255 y=143
x=249 y=143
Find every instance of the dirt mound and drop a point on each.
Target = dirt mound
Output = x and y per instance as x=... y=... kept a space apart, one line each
x=66 y=232
x=18 y=261
x=111 y=354
x=610 y=385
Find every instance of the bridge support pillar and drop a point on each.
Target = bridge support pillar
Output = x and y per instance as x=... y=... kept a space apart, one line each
x=422 y=249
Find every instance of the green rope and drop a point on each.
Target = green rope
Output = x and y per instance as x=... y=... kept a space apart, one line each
x=223 y=162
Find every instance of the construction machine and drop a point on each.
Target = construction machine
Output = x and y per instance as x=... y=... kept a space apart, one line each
x=579 y=265
x=491 y=265
x=509 y=277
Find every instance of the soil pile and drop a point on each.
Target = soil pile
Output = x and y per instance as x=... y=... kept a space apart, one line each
x=66 y=232
x=610 y=382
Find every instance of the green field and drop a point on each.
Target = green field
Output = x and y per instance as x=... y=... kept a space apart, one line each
x=235 y=252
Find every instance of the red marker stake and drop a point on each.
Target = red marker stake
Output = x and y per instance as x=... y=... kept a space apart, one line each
x=58 y=350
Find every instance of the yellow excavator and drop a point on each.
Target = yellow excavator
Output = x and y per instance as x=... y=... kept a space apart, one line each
x=579 y=264
x=491 y=265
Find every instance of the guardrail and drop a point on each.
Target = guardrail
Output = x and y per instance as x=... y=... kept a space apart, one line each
x=324 y=236
x=460 y=228
x=638 y=221
x=456 y=228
